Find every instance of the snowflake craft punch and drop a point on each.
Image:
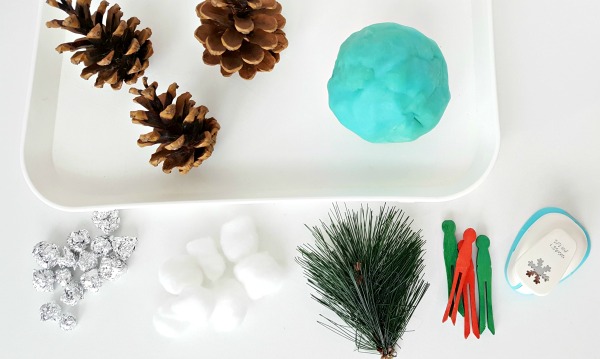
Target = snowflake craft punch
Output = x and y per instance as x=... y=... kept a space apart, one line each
x=538 y=271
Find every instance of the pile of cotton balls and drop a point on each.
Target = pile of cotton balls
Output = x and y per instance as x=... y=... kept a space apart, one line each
x=222 y=304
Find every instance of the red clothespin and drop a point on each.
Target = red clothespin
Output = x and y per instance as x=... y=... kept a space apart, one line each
x=461 y=277
x=468 y=298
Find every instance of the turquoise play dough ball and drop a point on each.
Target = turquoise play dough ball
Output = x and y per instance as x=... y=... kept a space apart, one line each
x=389 y=84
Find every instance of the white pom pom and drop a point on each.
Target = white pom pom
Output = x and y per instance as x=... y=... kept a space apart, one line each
x=204 y=250
x=230 y=307
x=260 y=275
x=239 y=238
x=179 y=272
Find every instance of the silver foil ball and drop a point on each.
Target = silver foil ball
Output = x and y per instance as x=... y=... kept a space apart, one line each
x=63 y=276
x=101 y=245
x=124 y=246
x=91 y=280
x=43 y=280
x=106 y=221
x=72 y=294
x=67 y=322
x=68 y=259
x=79 y=240
x=46 y=254
x=87 y=260
x=50 y=311
x=112 y=267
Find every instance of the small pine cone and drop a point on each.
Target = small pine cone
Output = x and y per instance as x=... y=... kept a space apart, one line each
x=242 y=36
x=185 y=136
x=115 y=51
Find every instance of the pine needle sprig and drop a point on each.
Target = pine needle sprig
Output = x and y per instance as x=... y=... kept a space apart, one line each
x=368 y=270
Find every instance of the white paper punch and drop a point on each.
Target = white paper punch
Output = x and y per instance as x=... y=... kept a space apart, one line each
x=549 y=248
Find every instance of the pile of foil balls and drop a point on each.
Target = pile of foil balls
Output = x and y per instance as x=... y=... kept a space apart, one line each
x=82 y=266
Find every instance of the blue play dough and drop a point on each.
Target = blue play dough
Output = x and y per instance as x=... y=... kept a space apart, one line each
x=389 y=84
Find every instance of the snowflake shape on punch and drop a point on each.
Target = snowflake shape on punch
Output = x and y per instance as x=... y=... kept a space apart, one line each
x=538 y=271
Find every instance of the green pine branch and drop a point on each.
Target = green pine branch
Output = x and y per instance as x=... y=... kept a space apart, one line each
x=368 y=270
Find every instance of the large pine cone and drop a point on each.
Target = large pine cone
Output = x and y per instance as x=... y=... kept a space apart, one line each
x=185 y=136
x=242 y=36
x=116 y=51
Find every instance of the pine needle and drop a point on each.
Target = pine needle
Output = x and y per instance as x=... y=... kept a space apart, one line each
x=368 y=270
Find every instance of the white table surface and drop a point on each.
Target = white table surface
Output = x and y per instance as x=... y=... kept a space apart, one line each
x=547 y=55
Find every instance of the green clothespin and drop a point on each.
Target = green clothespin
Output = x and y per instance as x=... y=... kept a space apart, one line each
x=450 y=256
x=484 y=281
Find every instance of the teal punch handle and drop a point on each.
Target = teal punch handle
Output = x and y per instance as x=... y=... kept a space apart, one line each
x=450 y=255
x=484 y=282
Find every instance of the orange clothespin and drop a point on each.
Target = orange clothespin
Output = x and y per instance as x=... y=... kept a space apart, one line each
x=461 y=269
x=468 y=299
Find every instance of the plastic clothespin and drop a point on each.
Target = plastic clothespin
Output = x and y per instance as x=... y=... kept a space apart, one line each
x=451 y=255
x=463 y=262
x=484 y=281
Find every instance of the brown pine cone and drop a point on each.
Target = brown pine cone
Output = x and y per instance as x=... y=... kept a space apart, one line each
x=242 y=36
x=115 y=51
x=185 y=136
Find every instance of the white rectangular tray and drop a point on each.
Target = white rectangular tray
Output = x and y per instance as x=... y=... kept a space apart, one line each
x=278 y=140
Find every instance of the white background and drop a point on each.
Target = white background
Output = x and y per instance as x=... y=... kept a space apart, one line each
x=547 y=57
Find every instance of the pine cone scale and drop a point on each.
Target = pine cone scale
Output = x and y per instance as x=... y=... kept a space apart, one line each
x=272 y=11
x=243 y=25
x=120 y=30
x=113 y=17
x=210 y=59
x=280 y=21
x=282 y=42
x=78 y=57
x=137 y=66
x=133 y=22
x=207 y=11
x=265 y=22
x=144 y=35
x=231 y=62
x=266 y=40
x=214 y=45
x=168 y=113
x=232 y=40
x=175 y=145
x=268 y=63
x=71 y=21
x=95 y=33
x=133 y=47
x=138 y=116
x=99 y=13
x=107 y=59
x=203 y=31
x=248 y=71
x=252 y=54
x=183 y=104
x=269 y=4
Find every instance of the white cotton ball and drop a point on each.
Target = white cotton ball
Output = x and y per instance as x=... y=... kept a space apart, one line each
x=205 y=251
x=239 y=238
x=170 y=325
x=231 y=306
x=178 y=273
x=194 y=305
x=184 y=314
x=260 y=275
